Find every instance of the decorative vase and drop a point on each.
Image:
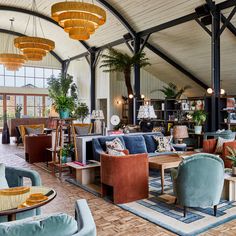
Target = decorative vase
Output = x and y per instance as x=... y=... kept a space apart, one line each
x=234 y=170
x=64 y=114
x=5 y=134
x=198 y=129
x=146 y=125
x=17 y=115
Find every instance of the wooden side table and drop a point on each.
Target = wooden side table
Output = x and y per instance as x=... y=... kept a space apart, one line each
x=229 y=190
x=85 y=174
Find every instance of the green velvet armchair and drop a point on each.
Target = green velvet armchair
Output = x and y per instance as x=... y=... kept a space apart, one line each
x=198 y=181
x=14 y=177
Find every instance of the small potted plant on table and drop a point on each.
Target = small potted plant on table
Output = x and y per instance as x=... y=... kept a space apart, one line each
x=232 y=157
x=199 y=117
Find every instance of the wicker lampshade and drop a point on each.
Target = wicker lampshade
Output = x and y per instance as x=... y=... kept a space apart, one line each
x=180 y=132
x=79 y=19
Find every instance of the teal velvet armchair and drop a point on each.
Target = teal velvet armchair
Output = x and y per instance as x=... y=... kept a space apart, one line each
x=58 y=224
x=199 y=180
x=14 y=177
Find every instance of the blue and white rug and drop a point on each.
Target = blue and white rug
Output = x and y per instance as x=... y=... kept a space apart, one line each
x=161 y=210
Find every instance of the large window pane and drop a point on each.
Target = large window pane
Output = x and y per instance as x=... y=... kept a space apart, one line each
x=20 y=81
x=11 y=100
x=21 y=72
x=30 y=101
x=39 y=83
x=29 y=81
x=56 y=73
x=38 y=111
x=39 y=72
x=1 y=70
x=1 y=80
x=9 y=81
x=47 y=73
x=48 y=101
x=9 y=72
x=29 y=71
x=30 y=111
x=38 y=100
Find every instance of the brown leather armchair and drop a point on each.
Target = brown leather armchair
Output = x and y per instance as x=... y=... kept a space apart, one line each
x=125 y=178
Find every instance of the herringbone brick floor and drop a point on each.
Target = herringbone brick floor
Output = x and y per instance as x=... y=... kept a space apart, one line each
x=110 y=219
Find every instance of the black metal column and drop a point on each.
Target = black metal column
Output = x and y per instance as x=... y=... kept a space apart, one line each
x=215 y=69
x=93 y=79
x=137 y=83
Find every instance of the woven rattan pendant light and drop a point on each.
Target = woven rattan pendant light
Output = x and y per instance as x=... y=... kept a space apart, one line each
x=79 y=19
x=11 y=58
x=34 y=47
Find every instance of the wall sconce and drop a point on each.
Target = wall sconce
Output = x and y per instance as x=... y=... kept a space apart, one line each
x=118 y=102
x=131 y=96
x=211 y=91
x=142 y=96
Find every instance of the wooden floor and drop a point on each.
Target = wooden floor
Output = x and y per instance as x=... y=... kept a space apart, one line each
x=110 y=219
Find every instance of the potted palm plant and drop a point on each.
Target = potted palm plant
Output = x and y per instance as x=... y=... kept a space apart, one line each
x=63 y=92
x=199 y=117
x=232 y=157
x=122 y=62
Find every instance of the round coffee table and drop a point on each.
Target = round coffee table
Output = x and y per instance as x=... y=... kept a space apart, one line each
x=11 y=211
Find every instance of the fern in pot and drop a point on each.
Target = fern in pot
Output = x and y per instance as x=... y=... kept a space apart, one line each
x=199 y=117
x=232 y=157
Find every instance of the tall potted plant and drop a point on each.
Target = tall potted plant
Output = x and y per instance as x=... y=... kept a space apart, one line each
x=199 y=117
x=122 y=62
x=18 y=110
x=171 y=91
x=82 y=111
x=63 y=92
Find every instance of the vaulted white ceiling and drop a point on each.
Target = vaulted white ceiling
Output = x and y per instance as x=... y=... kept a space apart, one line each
x=188 y=44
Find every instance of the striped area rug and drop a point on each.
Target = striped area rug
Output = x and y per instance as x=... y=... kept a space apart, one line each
x=161 y=210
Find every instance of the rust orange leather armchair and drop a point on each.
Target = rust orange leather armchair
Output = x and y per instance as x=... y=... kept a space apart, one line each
x=125 y=178
x=209 y=146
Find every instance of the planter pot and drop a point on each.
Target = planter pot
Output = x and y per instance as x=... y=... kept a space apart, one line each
x=17 y=115
x=198 y=129
x=146 y=125
x=64 y=114
x=234 y=171
x=5 y=134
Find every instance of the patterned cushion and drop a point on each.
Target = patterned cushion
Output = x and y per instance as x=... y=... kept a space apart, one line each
x=34 y=131
x=164 y=143
x=115 y=144
x=3 y=181
x=114 y=152
x=220 y=142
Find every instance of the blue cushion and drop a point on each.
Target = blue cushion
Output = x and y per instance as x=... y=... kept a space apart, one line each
x=59 y=224
x=3 y=180
x=135 y=144
x=154 y=154
x=151 y=144
x=103 y=140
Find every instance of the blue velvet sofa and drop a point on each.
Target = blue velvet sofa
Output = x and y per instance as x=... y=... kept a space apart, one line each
x=135 y=143
x=58 y=224
x=14 y=177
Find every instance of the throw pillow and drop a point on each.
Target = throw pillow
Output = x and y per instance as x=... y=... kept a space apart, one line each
x=220 y=142
x=3 y=180
x=114 y=152
x=115 y=144
x=33 y=131
x=163 y=143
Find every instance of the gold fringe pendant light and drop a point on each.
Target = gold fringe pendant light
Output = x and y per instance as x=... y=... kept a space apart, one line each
x=34 y=47
x=12 y=59
x=79 y=19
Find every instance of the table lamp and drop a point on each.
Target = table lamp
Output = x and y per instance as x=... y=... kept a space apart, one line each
x=145 y=114
x=97 y=115
x=180 y=132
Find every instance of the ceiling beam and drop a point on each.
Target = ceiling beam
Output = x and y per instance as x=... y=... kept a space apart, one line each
x=20 y=34
x=230 y=26
x=33 y=13
x=176 y=65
